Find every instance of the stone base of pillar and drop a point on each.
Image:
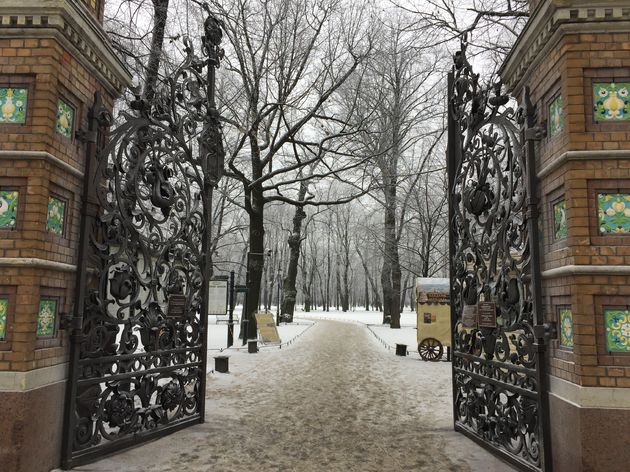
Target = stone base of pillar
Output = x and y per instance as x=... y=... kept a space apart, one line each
x=31 y=422
x=589 y=428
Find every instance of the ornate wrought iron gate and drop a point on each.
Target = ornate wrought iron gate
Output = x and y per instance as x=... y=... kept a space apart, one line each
x=499 y=378
x=138 y=343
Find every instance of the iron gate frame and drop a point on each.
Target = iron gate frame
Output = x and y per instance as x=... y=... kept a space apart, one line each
x=147 y=165
x=501 y=404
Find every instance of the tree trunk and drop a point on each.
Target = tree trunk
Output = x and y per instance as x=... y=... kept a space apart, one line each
x=366 y=294
x=328 y=271
x=345 y=293
x=412 y=294
x=404 y=293
x=266 y=294
x=255 y=206
x=386 y=286
x=376 y=302
x=294 y=241
x=160 y=14
x=391 y=274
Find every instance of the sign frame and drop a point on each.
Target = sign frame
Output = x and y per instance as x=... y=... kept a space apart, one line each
x=487 y=314
x=470 y=316
x=218 y=295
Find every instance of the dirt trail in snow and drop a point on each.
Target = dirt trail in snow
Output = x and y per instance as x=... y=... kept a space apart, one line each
x=334 y=401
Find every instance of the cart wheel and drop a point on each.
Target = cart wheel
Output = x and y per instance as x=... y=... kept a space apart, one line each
x=430 y=349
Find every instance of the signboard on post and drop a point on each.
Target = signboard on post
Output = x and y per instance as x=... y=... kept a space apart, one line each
x=470 y=317
x=487 y=315
x=218 y=296
x=267 y=328
x=176 y=306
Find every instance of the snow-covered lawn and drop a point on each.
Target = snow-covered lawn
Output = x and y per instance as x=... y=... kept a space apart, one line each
x=217 y=338
x=217 y=334
x=373 y=319
x=383 y=334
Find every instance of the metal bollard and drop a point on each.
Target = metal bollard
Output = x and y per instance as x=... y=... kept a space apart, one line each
x=221 y=364
x=401 y=349
x=252 y=346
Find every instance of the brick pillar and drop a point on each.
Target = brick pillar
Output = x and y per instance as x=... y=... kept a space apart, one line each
x=575 y=57
x=53 y=57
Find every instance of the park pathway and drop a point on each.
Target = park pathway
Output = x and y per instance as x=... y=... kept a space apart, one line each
x=336 y=400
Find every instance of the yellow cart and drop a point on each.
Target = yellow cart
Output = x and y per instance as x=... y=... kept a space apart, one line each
x=433 y=317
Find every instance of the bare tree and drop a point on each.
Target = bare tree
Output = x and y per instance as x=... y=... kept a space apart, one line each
x=285 y=60
x=491 y=26
x=399 y=98
x=294 y=241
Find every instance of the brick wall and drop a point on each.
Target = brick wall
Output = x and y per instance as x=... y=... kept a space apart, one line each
x=568 y=70
x=48 y=72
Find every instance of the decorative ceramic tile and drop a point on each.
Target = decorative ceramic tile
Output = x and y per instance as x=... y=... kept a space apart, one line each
x=566 y=327
x=560 y=220
x=56 y=211
x=13 y=103
x=617 y=330
x=65 y=118
x=613 y=210
x=46 y=317
x=8 y=208
x=611 y=101
x=4 y=309
x=556 y=116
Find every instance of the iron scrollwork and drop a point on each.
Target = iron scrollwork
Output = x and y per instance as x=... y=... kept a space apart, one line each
x=140 y=362
x=495 y=369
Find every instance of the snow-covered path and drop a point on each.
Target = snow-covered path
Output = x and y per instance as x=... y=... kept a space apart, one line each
x=334 y=401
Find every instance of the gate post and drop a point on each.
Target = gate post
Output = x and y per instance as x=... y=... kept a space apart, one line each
x=574 y=57
x=56 y=58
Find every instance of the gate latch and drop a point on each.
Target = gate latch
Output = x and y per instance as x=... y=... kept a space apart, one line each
x=65 y=320
x=86 y=136
x=535 y=133
x=546 y=331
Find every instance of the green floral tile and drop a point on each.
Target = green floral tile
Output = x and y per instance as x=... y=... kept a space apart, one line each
x=46 y=318
x=8 y=208
x=617 y=330
x=560 y=219
x=65 y=118
x=56 y=212
x=4 y=309
x=566 y=327
x=614 y=213
x=611 y=101
x=13 y=103
x=556 y=116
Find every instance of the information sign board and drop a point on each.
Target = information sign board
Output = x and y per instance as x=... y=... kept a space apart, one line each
x=487 y=314
x=267 y=328
x=217 y=296
x=470 y=317
x=176 y=306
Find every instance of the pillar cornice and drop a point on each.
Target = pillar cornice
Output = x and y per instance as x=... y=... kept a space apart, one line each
x=552 y=19
x=74 y=27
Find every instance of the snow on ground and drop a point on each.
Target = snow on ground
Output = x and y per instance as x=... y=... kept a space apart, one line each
x=333 y=401
x=373 y=319
x=217 y=337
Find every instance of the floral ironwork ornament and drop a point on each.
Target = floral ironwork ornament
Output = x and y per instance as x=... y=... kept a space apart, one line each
x=495 y=370
x=141 y=373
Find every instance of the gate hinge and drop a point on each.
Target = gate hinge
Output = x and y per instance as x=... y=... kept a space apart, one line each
x=86 y=136
x=546 y=331
x=65 y=320
x=536 y=133
x=69 y=321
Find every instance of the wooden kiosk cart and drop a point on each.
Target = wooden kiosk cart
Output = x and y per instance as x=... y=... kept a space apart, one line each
x=433 y=317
